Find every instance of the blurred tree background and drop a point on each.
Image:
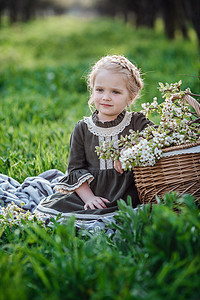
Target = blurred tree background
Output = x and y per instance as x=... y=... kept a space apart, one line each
x=176 y=14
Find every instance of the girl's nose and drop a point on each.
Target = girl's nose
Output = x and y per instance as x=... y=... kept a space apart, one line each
x=106 y=96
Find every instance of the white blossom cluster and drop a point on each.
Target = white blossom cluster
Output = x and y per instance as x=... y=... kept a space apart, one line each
x=142 y=154
x=174 y=129
x=13 y=215
x=107 y=151
x=148 y=151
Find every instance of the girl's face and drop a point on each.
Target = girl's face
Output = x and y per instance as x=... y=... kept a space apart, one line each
x=110 y=95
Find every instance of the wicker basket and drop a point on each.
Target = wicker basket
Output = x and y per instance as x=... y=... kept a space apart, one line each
x=178 y=170
x=174 y=172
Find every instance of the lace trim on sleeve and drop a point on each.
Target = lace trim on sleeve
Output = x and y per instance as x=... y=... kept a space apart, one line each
x=65 y=188
x=111 y=131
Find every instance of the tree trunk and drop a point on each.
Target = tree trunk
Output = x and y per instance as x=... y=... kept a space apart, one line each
x=169 y=16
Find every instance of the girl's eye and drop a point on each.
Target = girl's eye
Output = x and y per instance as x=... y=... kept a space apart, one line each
x=116 y=92
x=99 y=90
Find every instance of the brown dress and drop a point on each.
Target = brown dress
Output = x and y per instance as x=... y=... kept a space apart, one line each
x=84 y=165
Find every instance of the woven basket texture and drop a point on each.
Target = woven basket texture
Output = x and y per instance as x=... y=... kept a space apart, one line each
x=180 y=173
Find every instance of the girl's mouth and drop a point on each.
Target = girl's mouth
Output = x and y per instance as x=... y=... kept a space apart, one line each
x=106 y=105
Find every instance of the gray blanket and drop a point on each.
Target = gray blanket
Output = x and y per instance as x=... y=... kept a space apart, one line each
x=31 y=191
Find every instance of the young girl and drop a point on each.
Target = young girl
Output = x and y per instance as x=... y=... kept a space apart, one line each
x=93 y=186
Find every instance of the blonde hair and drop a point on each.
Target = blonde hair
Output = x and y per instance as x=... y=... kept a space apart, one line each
x=119 y=64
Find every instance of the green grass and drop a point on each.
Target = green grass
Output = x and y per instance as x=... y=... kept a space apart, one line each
x=43 y=86
x=152 y=255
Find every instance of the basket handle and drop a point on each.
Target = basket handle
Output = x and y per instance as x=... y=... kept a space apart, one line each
x=190 y=100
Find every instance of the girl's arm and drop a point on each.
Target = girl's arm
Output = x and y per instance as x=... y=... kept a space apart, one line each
x=91 y=201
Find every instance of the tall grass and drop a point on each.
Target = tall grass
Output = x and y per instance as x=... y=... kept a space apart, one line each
x=153 y=254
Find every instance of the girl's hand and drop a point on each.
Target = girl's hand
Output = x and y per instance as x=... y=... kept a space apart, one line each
x=96 y=202
x=91 y=201
x=118 y=166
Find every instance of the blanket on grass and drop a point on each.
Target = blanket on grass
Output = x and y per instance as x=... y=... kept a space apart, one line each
x=29 y=194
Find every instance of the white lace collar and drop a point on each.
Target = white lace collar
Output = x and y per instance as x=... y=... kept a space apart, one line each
x=109 y=131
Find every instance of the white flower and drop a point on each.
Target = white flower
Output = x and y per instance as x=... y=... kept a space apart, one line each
x=50 y=76
x=154 y=103
x=178 y=111
x=144 y=105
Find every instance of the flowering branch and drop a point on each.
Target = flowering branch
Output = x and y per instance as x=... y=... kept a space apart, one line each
x=177 y=127
x=191 y=94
